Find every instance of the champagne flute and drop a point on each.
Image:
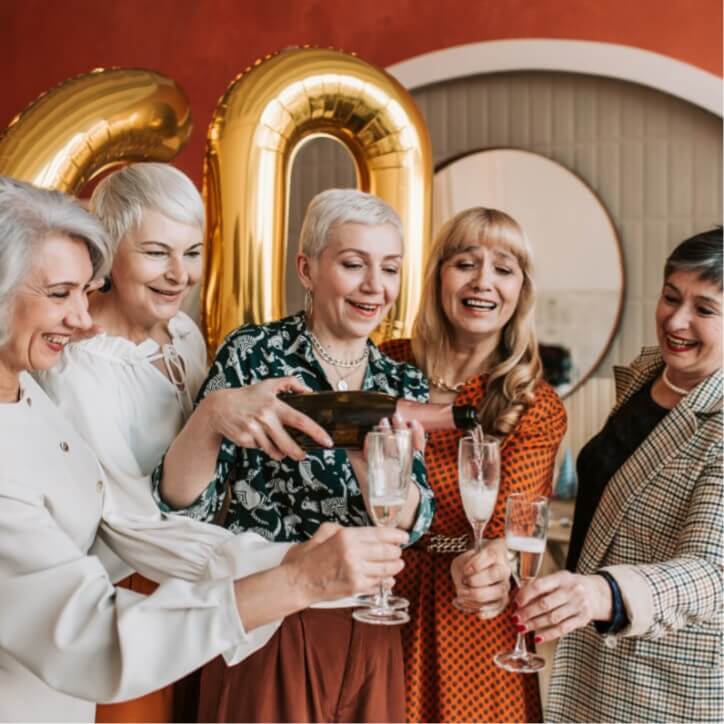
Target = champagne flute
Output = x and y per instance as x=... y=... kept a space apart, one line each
x=526 y=528
x=478 y=478
x=389 y=467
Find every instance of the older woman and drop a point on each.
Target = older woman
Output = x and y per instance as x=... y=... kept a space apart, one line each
x=642 y=615
x=475 y=340
x=68 y=638
x=324 y=664
x=129 y=390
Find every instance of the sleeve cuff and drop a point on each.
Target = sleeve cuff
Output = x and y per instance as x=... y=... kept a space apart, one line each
x=637 y=599
x=245 y=554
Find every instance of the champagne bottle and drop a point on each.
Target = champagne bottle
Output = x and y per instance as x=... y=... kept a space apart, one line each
x=349 y=416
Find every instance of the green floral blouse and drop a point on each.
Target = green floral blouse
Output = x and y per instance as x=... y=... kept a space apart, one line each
x=288 y=500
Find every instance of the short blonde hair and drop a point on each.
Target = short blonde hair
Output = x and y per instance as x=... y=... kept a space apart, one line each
x=511 y=382
x=335 y=207
x=123 y=196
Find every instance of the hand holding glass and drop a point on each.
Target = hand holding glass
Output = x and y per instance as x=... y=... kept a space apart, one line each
x=389 y=467
x=479 y=478
x=526 y=528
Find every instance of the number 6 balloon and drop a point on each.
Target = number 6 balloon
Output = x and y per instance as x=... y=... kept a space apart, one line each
x=82 y=126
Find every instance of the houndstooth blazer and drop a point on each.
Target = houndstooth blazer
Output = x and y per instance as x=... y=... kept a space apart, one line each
x=658 y=530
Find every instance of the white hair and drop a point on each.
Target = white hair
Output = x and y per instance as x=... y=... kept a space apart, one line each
x=123 y=196
x=28 y=215
x=335 y=207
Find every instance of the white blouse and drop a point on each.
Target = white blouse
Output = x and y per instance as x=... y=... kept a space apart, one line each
x=63 y=626
x=129 y=412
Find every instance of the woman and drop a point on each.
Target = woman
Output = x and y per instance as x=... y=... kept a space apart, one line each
x=68 y=638
x=154 y=216
x=349 y=264
x=474 y=339
x=646 y=543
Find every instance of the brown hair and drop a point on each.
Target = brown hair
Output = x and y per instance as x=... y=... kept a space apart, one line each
x=510 y=387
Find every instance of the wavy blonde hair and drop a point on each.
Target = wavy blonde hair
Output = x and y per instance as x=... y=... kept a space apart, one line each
x=510 y=387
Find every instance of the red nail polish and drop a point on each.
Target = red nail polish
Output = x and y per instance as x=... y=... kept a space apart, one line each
x=520 y=628
x=515 y=619
x=537 y=639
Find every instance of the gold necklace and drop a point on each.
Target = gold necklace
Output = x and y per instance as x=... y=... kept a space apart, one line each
x=678 y=390
x=440 y=383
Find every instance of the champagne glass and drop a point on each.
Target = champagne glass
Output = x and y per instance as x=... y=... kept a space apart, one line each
x=526 y=528
x=478 y=478
x=389 y=467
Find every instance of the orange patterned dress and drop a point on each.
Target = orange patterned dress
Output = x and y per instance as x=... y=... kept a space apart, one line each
x=449 y=671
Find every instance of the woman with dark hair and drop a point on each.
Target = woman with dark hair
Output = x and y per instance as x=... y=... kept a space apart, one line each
x=640 y=606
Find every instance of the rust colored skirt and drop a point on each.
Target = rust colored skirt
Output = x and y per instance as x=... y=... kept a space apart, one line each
x=154 y=707
x=320 y=666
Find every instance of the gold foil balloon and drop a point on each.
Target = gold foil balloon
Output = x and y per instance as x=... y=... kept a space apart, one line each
x=93 y=121
x=265 y=115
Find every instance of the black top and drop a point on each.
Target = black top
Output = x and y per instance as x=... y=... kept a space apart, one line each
x=604 y=454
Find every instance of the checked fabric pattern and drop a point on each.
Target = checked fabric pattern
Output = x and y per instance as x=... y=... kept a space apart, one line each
x=449 y=671
x=660 y=519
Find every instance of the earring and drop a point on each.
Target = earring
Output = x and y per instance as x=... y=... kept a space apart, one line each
x=308 y=302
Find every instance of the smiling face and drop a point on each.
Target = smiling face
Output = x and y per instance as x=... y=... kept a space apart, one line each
x=354 y=281
x=688 y=326
x=51 y=304
x=155 y=266
x=479 y=291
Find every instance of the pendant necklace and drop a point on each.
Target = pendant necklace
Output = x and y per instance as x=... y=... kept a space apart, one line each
x=335 y=363
x=678 y=390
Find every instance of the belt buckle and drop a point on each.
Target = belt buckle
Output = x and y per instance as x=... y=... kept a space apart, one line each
x=438 y=543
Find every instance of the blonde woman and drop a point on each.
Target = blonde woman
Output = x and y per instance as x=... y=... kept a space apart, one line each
x=474 y=338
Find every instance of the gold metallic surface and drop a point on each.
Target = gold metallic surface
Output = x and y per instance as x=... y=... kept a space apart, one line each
x=262 y=120
x=92 y=121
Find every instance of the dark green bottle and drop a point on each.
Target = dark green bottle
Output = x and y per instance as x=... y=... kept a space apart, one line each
x=348 y=416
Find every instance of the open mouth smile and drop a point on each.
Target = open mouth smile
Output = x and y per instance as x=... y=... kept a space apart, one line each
x=367 y=310
x=679 y=344
x=56 y=342
x=482 y=305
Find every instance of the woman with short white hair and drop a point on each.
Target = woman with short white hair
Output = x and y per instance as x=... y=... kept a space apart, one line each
x=325 y=666
x=68 y=638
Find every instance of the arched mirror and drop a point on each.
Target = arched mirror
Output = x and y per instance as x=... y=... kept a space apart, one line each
x=577 y=253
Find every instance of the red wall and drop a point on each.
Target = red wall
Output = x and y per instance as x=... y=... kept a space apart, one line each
x=203 y=44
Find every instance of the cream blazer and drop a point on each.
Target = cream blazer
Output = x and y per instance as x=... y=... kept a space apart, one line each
x=658 y=530
x=68 y=639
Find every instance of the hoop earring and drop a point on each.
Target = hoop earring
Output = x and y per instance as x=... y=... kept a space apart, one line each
x=308 y=302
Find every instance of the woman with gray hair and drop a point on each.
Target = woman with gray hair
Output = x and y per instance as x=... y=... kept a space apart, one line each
x=325 y=666
x=68 y=638
x=640 y=606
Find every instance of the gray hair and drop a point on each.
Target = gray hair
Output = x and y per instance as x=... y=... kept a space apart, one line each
x=335 y=207
x=701 y=254
x=28 y=215
x=123 y=196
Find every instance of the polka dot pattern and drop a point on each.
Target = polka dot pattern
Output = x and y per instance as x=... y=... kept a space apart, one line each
x=449 y=671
